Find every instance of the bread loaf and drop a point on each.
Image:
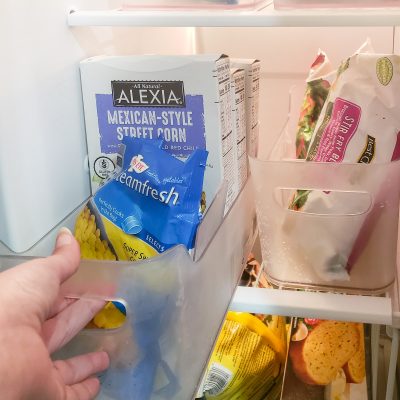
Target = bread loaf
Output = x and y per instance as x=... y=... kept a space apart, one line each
x=355 y=367
x=327 y=347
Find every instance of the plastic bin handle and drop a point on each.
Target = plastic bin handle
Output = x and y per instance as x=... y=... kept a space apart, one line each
x=323 y=202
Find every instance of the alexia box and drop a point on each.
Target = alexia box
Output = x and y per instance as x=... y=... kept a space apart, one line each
x=326 y=361
x=252 y=69
x=183 y=100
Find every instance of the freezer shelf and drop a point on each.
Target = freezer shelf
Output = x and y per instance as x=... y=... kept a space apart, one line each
x=368 y=309
x=379 y=310
x=266 y=17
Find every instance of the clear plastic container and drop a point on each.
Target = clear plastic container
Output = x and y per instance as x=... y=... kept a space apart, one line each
x=175 y=304
x=351 y=246
x=298 y=4
x=194 y=4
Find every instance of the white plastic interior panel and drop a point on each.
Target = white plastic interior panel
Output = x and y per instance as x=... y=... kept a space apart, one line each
x=284 y=64
x=45 y=245
x=43 y=175
x=396 y=40
x=395 y=292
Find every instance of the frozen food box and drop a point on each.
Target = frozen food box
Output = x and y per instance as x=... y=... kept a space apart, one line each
x=252 y=68
x=239 y=125
x=183 y=100
x=326 y=361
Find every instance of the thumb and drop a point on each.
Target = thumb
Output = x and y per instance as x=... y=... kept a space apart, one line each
x=34 y=285
x=60 y=265
x=66 y=255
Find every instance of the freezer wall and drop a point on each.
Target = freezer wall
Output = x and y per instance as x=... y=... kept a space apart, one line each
x=286 y=54
x=43 y=167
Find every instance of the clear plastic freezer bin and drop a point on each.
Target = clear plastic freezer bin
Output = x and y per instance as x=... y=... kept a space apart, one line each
x=350 y=246
x=195 y=4
x=175 y=307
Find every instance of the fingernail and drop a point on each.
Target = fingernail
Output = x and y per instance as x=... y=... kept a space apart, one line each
x=64 y=237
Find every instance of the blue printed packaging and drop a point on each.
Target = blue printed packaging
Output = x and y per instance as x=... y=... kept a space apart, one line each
x=153 y=203
x=185 y=101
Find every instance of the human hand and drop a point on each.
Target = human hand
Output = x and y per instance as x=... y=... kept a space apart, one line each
x=35 y=321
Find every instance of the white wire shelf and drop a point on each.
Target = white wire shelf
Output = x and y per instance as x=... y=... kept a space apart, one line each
x=367 y=309
x=381 y=310
x=266 y=17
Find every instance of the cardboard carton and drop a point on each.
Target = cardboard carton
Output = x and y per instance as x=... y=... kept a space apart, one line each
x=182 y=100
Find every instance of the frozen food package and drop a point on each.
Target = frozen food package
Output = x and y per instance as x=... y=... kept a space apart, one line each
x=318 y=83
x=150 y=206
x=184 y=100
x=362 y=99
x=359 y=123
x=248 y=359
x=326 y=361
x=253 y=274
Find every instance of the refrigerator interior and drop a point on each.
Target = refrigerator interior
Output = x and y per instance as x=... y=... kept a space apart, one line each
x=43 y=173
x=42 y=140
x=385 y=347
x=28 y=214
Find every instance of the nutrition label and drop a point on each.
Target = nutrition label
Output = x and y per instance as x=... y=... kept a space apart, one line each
x=240 y=128
x=228 y=153
x=255 y=95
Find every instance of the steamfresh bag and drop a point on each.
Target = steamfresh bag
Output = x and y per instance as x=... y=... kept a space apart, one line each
x=359 y=123
x=150 y=206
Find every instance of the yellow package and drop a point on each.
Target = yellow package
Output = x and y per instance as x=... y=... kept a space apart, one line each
x=247 y=360
x=93 y=247
x=88 y=236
